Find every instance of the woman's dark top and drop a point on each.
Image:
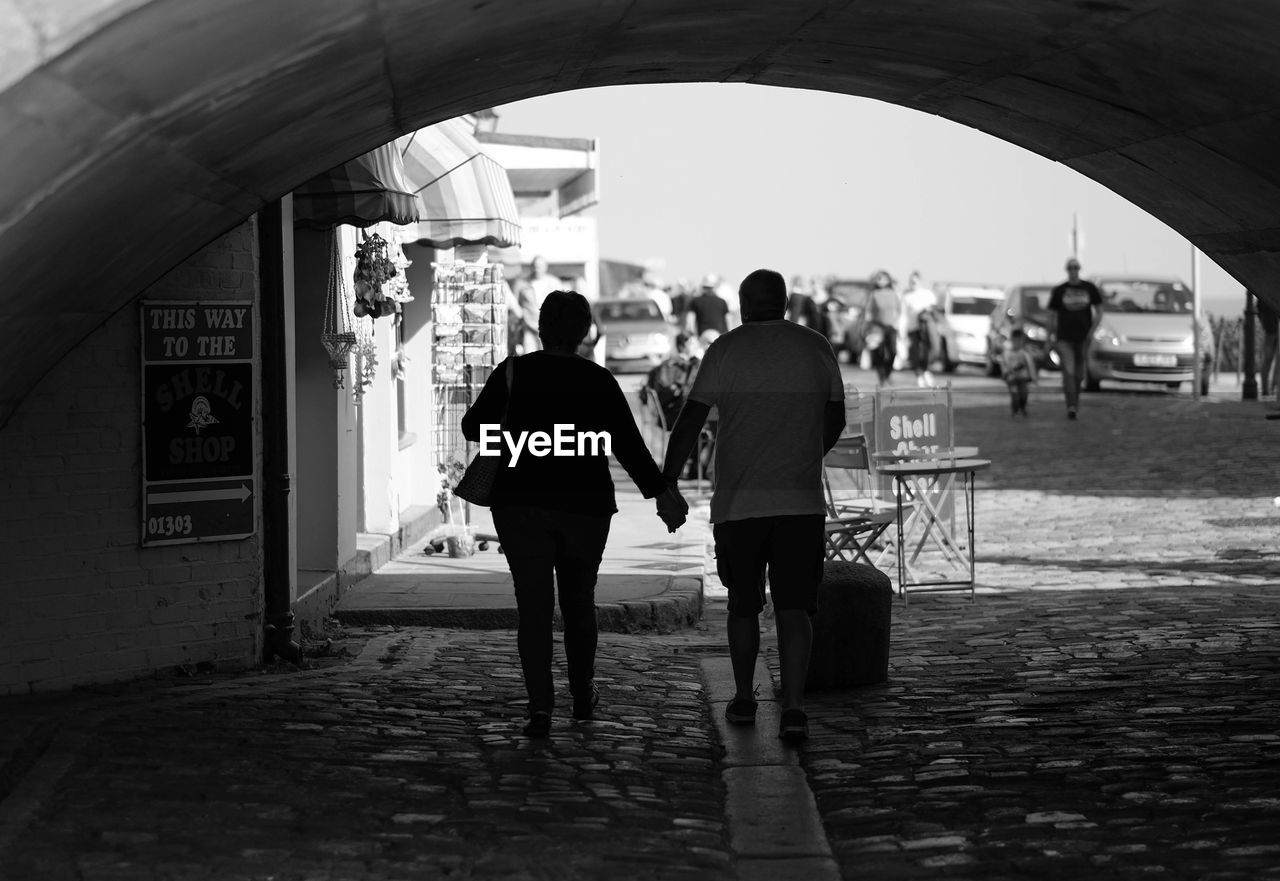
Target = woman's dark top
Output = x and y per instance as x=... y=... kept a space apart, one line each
x=553 y=389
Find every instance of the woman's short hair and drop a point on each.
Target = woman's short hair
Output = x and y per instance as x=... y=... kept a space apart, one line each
x=563 y=320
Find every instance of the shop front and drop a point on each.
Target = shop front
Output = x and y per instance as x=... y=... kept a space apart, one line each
x=398 y=320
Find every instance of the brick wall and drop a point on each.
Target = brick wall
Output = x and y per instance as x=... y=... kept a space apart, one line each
x=80 y=600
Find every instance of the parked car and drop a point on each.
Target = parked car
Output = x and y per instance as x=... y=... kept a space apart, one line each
x=846 y=304
x=637 y=335
x=1025 y=306
x=1146 y=333
x=965 y=319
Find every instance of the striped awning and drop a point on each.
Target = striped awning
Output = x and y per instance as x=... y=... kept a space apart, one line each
x=367 y=190
x=464 y=197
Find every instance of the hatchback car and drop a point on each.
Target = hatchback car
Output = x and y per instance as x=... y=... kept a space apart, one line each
x=966 y=317
x=1025 y=306
x=637 y=336
x=1146 y=334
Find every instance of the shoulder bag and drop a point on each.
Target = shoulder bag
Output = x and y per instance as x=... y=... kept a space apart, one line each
x=476 y=485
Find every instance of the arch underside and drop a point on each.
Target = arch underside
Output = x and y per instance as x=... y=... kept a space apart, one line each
x=132 y=133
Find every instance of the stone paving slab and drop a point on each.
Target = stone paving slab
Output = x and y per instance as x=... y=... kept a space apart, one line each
x=649 y=580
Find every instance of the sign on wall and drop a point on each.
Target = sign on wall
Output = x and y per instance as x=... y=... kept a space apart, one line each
x=197 y=421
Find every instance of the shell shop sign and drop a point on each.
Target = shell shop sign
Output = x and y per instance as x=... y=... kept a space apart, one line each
x=197 y=421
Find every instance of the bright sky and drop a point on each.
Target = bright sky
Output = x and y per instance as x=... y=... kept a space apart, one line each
x=728 y=178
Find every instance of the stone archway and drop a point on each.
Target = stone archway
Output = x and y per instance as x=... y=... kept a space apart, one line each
x=134 y=131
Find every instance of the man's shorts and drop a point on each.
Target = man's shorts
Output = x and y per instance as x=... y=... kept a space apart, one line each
x=791 y=547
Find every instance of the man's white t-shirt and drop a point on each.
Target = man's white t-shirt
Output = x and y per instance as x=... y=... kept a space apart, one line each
x=770 y=382
x=915 y=302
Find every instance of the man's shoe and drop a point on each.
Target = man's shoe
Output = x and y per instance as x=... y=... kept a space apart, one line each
x=584 y=705
x=539 y=725
x=1071 y=412
x=794 y=727
x=741 y=711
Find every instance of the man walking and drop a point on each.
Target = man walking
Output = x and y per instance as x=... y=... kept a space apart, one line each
x=709 y=311
x=780 y=399
x=1075 y=308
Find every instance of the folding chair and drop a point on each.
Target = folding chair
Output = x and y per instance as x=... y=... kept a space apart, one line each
x=855 y=523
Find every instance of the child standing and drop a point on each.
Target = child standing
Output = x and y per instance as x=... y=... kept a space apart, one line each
x=1019 y=370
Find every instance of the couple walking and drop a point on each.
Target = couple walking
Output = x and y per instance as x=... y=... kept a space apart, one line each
x=780 y=399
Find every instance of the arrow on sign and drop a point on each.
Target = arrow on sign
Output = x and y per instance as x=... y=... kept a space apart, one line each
x=239 y=493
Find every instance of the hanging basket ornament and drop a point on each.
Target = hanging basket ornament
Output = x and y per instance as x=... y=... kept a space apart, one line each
x=373 y=277
x=337 y=337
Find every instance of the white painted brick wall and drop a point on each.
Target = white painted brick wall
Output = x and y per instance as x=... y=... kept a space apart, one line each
x=80 y=600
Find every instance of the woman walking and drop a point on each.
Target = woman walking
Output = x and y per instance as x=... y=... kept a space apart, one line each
x=884 y=312
x=552 y=506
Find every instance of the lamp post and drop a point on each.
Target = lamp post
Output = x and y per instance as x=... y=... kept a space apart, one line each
x=1249 y=392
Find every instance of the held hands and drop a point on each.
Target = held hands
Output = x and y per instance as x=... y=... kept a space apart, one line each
x=672 y=508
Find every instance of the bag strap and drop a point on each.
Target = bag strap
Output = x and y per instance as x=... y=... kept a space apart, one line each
x=511 y=380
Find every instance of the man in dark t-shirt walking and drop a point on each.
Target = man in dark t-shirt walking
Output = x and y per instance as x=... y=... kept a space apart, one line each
x=1075 y=308
x=709 y=310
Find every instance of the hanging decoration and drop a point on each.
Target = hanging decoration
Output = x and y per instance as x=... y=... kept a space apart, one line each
x=366 y=352
x=337 y=336
x=380 y=284
x=398 y=287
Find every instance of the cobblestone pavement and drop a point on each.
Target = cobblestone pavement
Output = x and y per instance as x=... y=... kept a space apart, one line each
x=1107 y=708
x=1068 y=734
x=405 y=763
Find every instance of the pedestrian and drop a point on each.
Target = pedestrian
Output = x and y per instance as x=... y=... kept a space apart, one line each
x=1075 y=308
x=919 y=310
x=668 y=384
x=1270 y=369
x=670 y=381
x=801 y=307
x=515 y=316
x=654 y=289
x=709 y=310
x=552 y=512
x=1018 y=369
x=532 y=292
x=681 y=296
x=780 y=398
x=884 y=311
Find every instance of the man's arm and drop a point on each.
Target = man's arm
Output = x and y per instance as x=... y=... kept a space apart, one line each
x=684 y=436
x=1051 y=326
x=832 y=424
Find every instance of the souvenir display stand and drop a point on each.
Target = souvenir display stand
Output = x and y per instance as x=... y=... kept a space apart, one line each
x=469 y=320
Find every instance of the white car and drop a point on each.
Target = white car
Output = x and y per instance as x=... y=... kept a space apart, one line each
x=966 y=319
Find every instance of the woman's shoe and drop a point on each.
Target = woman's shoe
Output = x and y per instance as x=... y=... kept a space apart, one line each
x=584 y=706
x=741 y=711
x=539 y=725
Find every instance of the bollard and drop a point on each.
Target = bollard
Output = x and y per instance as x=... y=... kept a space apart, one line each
x=851 y=629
